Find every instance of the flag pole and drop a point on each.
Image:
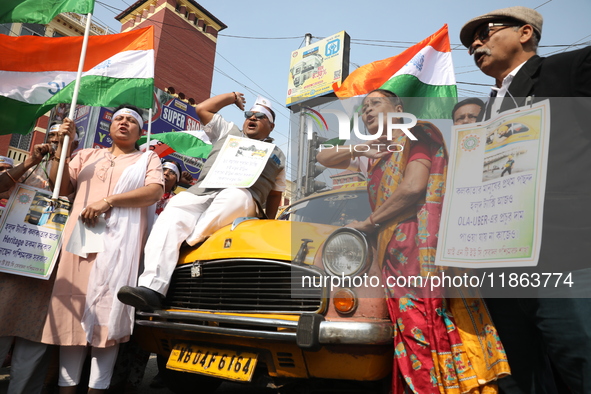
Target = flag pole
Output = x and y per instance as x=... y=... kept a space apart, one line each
x=66 y=143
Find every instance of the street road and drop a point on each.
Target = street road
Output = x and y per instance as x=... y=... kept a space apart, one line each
x=151 y=371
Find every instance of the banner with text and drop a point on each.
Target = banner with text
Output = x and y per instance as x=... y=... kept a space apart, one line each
x=31 y=232
x=239 y=164
x=492 y=213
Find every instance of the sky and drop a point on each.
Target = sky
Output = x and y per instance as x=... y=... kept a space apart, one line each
x=253 y=53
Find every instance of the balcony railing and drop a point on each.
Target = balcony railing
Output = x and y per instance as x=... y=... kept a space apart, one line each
x=80 y=20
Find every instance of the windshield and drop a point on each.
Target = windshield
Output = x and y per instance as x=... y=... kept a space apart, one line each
x=336 y=209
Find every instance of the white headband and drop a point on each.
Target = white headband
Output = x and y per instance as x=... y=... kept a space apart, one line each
x=129 y=111
x=56 y=128
x=260 y=108
x=174 y=168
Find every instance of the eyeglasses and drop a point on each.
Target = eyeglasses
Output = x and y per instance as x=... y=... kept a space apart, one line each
x=258 y=115
x=484 y=34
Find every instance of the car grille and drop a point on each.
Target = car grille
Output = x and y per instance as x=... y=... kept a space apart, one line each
x=249 y=285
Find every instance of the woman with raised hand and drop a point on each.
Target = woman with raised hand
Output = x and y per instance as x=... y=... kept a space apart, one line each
x=441 y=345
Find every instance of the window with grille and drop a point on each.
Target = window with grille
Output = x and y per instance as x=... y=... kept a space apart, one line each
x=5 y=28
x=22 y=142
x=32 y=29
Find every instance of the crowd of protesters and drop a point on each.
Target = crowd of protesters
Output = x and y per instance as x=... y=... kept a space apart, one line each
x=541 y=344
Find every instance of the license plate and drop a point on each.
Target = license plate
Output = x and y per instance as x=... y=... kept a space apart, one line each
x=226 y=364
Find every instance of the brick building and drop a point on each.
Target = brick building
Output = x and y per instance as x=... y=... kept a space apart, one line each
x=185 y=39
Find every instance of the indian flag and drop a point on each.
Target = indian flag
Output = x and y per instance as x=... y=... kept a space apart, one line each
x=36 y=73
x=40 y=11
x=192 y=143
x=424 y=70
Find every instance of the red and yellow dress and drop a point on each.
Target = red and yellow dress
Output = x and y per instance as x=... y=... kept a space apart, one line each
x=442 y=345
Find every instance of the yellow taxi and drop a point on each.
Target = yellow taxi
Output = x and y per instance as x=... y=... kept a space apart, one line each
x=39 y=204
x=277 y=303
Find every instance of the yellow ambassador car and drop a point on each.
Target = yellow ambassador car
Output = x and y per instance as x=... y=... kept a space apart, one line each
x=259 y=302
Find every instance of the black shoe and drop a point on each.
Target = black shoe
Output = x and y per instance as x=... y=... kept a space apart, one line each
x=140 y=297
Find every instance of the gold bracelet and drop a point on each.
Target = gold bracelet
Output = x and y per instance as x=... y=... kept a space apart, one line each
x=55 y=158
x=235 y=97
x=11 y=177
x=105 y=200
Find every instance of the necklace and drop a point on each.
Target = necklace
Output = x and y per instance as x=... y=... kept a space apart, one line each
x=109 y=156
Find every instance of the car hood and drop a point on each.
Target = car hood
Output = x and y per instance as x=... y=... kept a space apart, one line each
x=266 y=239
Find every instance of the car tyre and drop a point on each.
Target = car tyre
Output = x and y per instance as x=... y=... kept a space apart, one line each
x=182 y=382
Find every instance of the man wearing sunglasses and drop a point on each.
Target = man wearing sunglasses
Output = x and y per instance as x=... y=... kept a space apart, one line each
x=197 y=213
x=558 y=321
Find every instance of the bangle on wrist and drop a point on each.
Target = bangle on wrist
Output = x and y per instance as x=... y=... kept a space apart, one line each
x=107 y=201
x=376 y=225
x=235 y=97
x=11 y=177
x=55 y=158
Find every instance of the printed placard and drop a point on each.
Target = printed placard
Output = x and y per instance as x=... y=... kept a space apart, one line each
x=31 y=232
x=239 y=163
x=493 y=207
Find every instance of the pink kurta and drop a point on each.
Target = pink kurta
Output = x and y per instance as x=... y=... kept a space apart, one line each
x=94 y=173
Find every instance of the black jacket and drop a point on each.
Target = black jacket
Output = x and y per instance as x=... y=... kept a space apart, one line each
x=566 y=80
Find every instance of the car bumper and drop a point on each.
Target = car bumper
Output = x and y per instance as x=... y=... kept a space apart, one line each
x=309 y=331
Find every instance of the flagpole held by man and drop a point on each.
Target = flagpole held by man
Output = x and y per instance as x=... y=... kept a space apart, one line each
x=66 y=143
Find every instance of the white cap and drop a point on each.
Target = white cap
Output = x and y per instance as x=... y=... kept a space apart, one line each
x=6 y=160
x=263 y=105
x=174 y=168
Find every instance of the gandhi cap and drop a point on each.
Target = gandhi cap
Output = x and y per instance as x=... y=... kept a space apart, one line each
x=523 y=14
x=6 y=160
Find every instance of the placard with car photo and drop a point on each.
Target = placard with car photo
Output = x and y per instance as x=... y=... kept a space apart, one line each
x=31 y=232
x=492 y=212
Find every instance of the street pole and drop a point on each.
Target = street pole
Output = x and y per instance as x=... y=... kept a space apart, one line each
x=301 y=184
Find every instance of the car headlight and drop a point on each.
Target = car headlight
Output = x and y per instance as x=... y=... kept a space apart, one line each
x=345 y=252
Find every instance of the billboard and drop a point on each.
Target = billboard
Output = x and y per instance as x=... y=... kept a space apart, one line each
x=315 y=68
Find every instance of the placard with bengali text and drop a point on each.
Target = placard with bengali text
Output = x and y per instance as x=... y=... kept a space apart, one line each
x=496 y=180
x=31 y=232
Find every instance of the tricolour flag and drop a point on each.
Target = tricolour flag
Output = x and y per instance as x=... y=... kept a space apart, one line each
x=36 y=73
x=192 y=143
x=423 y=70
x=40 y=11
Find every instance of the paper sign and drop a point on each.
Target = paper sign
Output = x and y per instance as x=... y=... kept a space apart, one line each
x=496 y=180
x=31 y=232
x=84 y=239
x=239 y=163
